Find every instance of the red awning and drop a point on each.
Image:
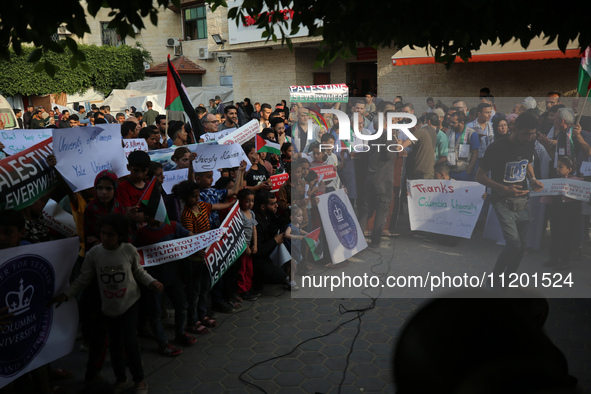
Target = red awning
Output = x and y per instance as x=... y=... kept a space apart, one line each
x=494 y=57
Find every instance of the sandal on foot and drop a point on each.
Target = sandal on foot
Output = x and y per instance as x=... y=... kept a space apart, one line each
x=141 y=389
x=209 y=322
x=197 y=328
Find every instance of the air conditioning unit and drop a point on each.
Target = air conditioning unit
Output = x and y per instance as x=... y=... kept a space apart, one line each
x=204 y=54
x=62 y=30
x=172 y=42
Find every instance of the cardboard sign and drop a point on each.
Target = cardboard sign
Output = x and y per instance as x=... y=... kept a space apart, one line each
x=83 y=152
x=242 y=135
x=177 y=249
x=30 y=276
x=26 y=176
x=174 y=177
x=222 y=254
x=444 y=207
x=325 y=173
x=571 y=188
x=586 y=168
x=59 y=220
x=343 y=233
x=20 y=139
x=210 y=137
x=133 y=144
x=278 y=181
x=212 y=157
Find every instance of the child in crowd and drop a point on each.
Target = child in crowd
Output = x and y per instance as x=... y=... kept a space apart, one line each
x=131 y=189
x=196 y=219
x=327 y=147
x=564 y=212
x=151 y=136
x=182 y=158
x=286 y=153
x=92 y=322
x=246 y=201
x=285 y=192
x=442 y=171
x=12 y=229
x=117 y=264
x=265 y=159
x=294 y=234
x=170 y=275
x=257 y=177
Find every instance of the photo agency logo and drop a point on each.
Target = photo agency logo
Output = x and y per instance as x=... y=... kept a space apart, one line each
x=356 y=132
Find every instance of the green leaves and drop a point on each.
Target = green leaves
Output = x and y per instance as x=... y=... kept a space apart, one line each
x=104 y=68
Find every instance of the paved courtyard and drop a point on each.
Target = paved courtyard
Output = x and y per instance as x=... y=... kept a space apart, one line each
x=301 y=345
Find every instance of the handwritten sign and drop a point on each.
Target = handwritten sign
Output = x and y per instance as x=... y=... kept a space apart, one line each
x=133 y=144
x=586 y=168
x=83 y=152
x=578 y=190
x=174 y=177
x=167 y=251
x=211 y=157
x=26 y=176
x=242 y=135
x=59 y=220
x=20 y=139
x=338 y=93
x=278 y=181
x=444 y=207
x=210 y=137
x=220 y=255
x=325 y=173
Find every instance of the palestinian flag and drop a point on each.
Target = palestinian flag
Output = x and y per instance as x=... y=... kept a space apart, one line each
x=313 y=241
x=263 y=145
x=153 y=204
x=177 y=99
x=585 y=73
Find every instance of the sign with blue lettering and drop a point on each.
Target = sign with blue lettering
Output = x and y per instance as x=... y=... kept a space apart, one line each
x=515 y=171
x=83 y=152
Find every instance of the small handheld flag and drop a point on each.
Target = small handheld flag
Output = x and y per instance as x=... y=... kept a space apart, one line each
x=263 y=145
x=154 y=205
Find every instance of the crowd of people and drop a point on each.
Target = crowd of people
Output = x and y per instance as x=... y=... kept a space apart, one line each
x=507 y=153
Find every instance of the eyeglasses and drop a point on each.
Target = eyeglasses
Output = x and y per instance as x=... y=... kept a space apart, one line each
x=212 y=121
x=115 y=278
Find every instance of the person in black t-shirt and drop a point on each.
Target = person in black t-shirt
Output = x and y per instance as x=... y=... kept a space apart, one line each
x=509 y=161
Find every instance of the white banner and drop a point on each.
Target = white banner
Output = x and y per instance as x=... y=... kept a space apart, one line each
x=59 y=220
x=83 y=152
x=211 y=157
x=210 y=137
x=174 y=177
x=20 y=139
x=134 y=144
x=343 y=233
x=30 y=276
x=444 y=207
x=578 y=190
x=167 y=251
x=242 y=135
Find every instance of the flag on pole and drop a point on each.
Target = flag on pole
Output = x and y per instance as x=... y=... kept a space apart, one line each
x=177 y=99
x=585 y=73
x=154 y=205
x=263 y=145
x=313 y=241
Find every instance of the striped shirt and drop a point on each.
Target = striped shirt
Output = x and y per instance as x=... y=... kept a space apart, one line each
x=197 y=221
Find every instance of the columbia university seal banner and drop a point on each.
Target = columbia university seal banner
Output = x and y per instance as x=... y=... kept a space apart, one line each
x=340 y=225
x=36 y=334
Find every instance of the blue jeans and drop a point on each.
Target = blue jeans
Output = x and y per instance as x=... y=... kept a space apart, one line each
x=514 y=226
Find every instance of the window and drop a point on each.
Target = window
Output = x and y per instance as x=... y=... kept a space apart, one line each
x=195 y=23
x=110 y=36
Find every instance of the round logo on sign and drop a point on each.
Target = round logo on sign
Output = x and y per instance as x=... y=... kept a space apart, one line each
x=26 y=284
x=342 y=222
